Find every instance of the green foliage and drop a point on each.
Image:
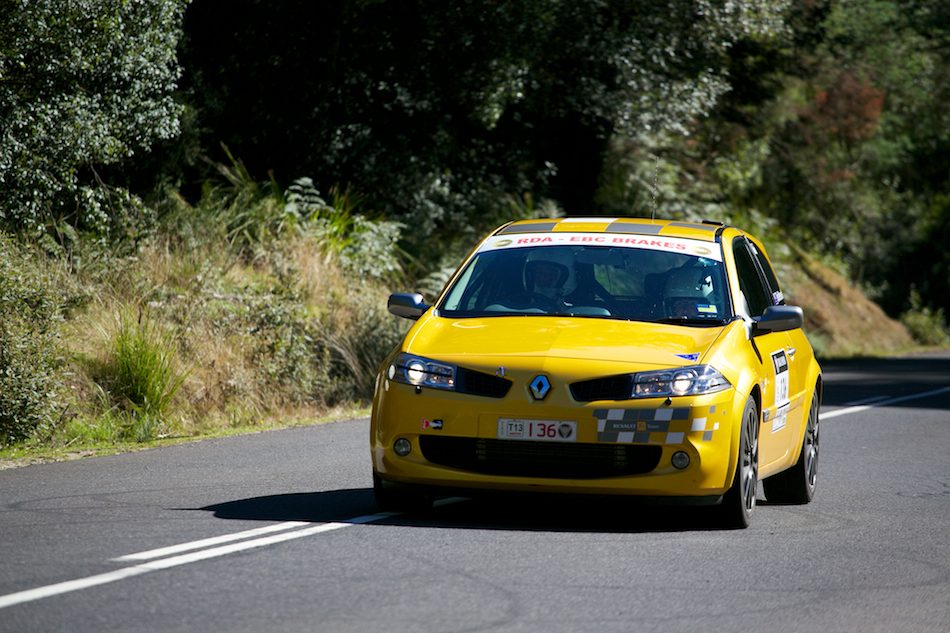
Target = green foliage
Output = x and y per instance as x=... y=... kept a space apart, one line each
x=305 y=203
x=140 y=370
x=926 y=325
x=31 y=361
x=251 y=213
x=326 y=359
x=294 y=343
x=82 y=83
x=101 y=430
x=836 y=132
x=441 y=110
x=114 y=425
x=359 y=346
x=364 y=246
x=287 y=348
x=373 y=249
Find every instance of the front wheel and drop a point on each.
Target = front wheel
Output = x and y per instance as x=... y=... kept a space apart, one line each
x=738 y=504
x=797 y=484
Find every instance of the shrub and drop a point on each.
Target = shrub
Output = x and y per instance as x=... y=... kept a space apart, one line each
x=365 y=247
x=927 y=326
x=288 y=352
x=30 y=358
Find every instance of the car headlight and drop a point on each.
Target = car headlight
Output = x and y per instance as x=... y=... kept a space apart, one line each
x=683 y=381
x=415 y=370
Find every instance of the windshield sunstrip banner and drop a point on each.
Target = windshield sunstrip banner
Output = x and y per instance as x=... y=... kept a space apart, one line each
x=669 y=244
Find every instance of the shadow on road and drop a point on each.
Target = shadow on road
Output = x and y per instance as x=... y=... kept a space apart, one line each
x=856 y=380
x=336 y=505
x=497 y=512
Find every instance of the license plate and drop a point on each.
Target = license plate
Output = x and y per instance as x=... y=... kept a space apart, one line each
x=538 y=430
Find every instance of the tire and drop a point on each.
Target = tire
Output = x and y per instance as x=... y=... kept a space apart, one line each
x=738 y=504
x=797 y=484
x=389 y=500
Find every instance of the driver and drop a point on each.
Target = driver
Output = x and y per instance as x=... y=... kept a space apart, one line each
x=546 y=276
x=685 y=290
x=549 y=272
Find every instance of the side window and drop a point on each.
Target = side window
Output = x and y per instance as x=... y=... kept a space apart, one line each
x=777 y=297
x=754 y=298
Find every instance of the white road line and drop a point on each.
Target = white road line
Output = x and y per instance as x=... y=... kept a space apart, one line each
x=121 y=574
x=208 y=542
x=883 y=403
x=71 y=585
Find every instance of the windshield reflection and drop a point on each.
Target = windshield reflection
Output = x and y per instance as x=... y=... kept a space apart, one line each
x=592 y=281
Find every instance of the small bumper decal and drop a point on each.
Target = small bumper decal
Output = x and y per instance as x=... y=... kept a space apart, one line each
x=653 y=426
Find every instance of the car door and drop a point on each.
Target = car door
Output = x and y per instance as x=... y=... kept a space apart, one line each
x=798 y=369
x=773 y=353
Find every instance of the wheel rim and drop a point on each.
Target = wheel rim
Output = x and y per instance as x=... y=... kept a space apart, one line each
x=811 y=444
x=750 y=461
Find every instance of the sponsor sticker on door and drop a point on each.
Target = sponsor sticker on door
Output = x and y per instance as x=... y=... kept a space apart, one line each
x=782 y=402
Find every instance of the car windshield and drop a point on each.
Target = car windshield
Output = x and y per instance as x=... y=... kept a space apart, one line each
x=667 y=281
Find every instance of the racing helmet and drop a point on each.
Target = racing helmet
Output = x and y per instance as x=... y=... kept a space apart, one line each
x=549 y=271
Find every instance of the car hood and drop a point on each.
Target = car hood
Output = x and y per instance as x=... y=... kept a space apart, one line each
x=587 y=339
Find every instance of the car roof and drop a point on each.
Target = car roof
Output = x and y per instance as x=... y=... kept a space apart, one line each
x=705 y=231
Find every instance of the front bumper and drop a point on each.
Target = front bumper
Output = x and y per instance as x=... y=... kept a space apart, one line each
x=622 y=447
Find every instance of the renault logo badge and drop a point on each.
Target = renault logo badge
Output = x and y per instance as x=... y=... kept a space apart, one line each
x=540 y=387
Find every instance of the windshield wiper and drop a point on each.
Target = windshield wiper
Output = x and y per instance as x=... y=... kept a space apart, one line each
x=685 y=320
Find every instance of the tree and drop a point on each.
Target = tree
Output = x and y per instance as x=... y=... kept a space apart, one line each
x=839 y=133
x=439 y=109
x=83 y=83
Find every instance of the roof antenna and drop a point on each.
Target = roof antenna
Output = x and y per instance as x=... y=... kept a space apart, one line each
x=656 y=171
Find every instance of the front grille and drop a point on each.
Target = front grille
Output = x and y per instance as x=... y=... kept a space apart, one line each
x=521 y=458
x=609 y=388
x=479 y=384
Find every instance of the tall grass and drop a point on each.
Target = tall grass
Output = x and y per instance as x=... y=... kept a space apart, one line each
x=139 y=368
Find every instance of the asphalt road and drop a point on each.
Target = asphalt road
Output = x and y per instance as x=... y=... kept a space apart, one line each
x=870 y=553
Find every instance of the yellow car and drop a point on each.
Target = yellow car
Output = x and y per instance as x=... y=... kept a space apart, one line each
x=602 y=356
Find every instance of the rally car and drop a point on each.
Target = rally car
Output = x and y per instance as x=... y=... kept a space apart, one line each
x=602 y=356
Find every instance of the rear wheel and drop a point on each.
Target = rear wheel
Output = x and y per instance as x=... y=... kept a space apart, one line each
x=797 y=484
x=390 y=500
x=738 y=504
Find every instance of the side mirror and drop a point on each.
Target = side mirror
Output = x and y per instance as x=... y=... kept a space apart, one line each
x=778 y=319
x=408 y=305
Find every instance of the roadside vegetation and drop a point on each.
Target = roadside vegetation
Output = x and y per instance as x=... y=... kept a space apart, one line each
x=202 y=328
x=208 y=248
